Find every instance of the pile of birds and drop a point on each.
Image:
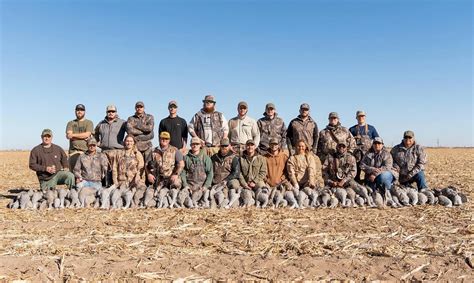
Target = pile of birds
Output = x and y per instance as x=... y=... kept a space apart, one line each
x=218 y=197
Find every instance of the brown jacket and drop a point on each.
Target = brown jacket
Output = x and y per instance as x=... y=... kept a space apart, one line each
x=276 y=168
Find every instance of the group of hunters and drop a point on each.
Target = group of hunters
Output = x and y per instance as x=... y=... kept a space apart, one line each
x=242 y=155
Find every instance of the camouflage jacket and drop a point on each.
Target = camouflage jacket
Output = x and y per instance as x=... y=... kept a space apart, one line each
x=197 y=170
x=271 y=128
x=339 y=167
x=141 y=128
x=408 y=161
x=363 y=135
x=91 y=167
x=127 y=167
x=225 y=168
x=252 y=169
x=329 y=138
x=305 y=170
x=164 y=163
x=276 y=167
x=306 y=130
x=218 y=125
x=382 y=160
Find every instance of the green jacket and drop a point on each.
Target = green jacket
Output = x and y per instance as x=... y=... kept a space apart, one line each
x=197 y=170
x=252 y=169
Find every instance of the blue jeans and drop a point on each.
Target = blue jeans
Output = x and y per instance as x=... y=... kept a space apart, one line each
x=419 y=179
x=96 y=185
x=383 y=180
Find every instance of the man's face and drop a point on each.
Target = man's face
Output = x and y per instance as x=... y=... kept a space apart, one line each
x=209 y=104
x=377 y=146
x=408 y=141
x=195 y=147
x=270 y=111
x=111 y=114
x=164 y=142
x=139 y=110
x=242 y=110
x=224 y=149
x=304 y=112
x=361 y=119
x=47 y=139
x=250 y=147
x=80 y=114
x=341 y=148
x=173 y=109
x=92 y=148
x=274 y=147
x=333 y=121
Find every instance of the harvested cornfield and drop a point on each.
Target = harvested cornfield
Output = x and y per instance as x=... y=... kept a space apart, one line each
x=411 y=243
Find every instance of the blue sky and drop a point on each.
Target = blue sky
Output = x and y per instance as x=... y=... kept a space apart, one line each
x=408 y=64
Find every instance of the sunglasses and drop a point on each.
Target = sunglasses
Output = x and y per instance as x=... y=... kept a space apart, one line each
x=407 y=137
x=195 y=144
x=139 y=106
x=111 y=111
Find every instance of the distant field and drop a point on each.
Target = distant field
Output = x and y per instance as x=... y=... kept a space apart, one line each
x=419 y=243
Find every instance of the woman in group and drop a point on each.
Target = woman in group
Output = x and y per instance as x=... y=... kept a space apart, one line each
x=304 y=172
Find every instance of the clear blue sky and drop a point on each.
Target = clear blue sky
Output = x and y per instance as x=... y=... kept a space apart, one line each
x=408 y=64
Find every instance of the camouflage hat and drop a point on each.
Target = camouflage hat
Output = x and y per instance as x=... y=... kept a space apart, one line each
x=46 y=132
x=409 y=133
x=195 y=140
x=225 y=142
x=360 y=113
x=242 y=104
x=343 y=142
x=333 y=115
x=111 y=108
x=91 y=140
x=273 y=141
x=378 y=140
x=270 y=105
x=304 y=106
x=165 y=135
x=250 y=141
x=172 y=103
x=139 y=103
x=209 y=98
x=80 y=107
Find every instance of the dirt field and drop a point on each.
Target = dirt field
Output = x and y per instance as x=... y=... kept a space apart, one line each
x=419 y=243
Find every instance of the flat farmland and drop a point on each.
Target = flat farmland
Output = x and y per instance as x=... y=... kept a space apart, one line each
x=412 y=243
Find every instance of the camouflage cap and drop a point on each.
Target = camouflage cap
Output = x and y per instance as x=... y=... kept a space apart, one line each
x=333 y=115
x=342 y=143
x=209 y=98
x=195 y=140
x=360 y=113
x=91 y=140
x=250 y=141
x=409 y=133
x=80 y=107
x=46 y=132
x=139 y=103
x=378 y=140
x=111 y=108
x=225 y=142
x=165 y=135
x=273 y=141
x=304 y=106
x=270 y=105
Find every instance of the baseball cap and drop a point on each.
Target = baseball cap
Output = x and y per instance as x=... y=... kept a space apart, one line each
x=409 y=133
x=195 y=140
x=80 y=107
x=243 y=103
x=250 y=141
x=378 y=140
x=333 y=115
x=165 y=135
x=225 y=142
x=111 y=108
x=304 y=106
x=342 y=143
x=273 y=141
x=270 y=105
x=91 y=140
x=140 y=103
x=209 y=98
x=172 y=102
x=46 y=132
x=360 y=113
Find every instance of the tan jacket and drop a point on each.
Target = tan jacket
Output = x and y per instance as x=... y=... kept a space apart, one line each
x=305 y=170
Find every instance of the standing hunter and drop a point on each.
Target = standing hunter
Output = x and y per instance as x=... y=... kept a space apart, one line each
x=77 y=132
x=109 y=134
x=176 y=126
x=304 y=128
x=209 y=125
x=140 y=126
x=364 y=134
x=333 y=134
x=242 y=128
x=271 y=126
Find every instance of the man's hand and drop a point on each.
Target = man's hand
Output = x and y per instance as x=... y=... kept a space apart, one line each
x=340 y=184
x=151 y=178
x=51 y=169
x=296 y=186
x=372 y=178
x=174 y=177
x=251 y=184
